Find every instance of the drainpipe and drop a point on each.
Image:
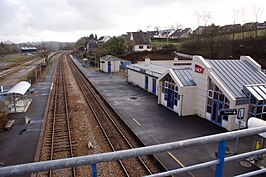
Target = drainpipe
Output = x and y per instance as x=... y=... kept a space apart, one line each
x=181 y=105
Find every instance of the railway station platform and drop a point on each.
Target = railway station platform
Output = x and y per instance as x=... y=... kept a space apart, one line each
x=155 y=124
x=18 y=145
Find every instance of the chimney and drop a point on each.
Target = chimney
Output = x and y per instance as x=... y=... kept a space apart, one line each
x=147 y=61
x=131 y=36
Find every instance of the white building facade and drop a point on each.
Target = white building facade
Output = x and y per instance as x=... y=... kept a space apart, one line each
x=110 y=64
x=146 y=74
x=207 y=87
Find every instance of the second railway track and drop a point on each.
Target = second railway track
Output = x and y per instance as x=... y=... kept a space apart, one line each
x=109 y=123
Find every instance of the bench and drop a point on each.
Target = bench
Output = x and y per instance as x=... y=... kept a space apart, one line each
x=9 y=124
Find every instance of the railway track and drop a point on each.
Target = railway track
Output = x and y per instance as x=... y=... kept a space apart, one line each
x=59 y=139
x=8 y=72
x=113 y=132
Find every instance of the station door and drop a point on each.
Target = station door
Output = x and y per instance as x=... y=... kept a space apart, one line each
x=146 y=82
x=170 y=98
x=154 y=86
x=216 y=106
x=109 y=67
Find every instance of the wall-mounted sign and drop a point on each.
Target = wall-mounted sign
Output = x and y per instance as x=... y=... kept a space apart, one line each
x=227 y=112
x=240 y=113
x=199 y=69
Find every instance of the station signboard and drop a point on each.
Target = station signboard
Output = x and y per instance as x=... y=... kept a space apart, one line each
x=227 y=112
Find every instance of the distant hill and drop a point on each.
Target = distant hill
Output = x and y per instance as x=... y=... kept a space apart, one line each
x=163 y=54
x=218 y=47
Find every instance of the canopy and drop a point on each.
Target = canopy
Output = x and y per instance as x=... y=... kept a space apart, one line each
x=257 y=90
x=20 y=88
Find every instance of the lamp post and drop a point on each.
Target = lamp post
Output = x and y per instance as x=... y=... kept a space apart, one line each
x=240 y=116
x=95 y=61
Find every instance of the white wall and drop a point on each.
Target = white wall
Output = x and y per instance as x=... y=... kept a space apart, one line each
x=187 y=102
x=232 y=122
x=139 y=79
x=201 y=80
x=136 y=48
x=170 y=63
x=115 y=66
x=136 y=78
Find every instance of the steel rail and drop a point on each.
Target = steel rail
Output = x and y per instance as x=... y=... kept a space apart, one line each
x=113 y=122
x=117 y=155
x=67 y=118
x=9 y=71
x=89 y=87
x=60 y=76
x=78 y=77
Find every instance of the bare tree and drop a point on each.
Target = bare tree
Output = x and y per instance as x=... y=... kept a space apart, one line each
x=235 y=18
x=198 y=16
x=257 y=12
x=243 y=15
x=157 y=28
x=206 y=17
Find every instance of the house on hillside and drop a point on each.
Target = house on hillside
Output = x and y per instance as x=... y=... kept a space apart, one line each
x=249 y=26
x=92 y=45
x=153 y=34
x=141 y=41
x=104 y=39
x=165 y=33
x=227 y=29
x=199 y=30
x=262 y=25
x=179 y=33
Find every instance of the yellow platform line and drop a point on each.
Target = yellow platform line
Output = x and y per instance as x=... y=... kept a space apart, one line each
x=169 y=153
x=179 y=163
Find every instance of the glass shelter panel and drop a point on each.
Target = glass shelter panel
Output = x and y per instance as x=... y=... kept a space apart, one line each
x=170 y=91
x=215 y=102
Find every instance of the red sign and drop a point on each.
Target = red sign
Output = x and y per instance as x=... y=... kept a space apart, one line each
x=199 y=69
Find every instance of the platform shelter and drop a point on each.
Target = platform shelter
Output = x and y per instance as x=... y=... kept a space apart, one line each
x=19 y=97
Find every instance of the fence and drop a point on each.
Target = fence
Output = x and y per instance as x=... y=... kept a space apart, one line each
x=111 y=156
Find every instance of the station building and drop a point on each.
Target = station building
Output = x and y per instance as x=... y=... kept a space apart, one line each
x=204 y=87
x=145 y=74
x=28 y=50
x=110 y=64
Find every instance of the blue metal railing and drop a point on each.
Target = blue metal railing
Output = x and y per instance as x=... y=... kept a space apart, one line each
x=117 y=155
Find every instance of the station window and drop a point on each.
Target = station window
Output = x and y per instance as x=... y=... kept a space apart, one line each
x=210 y=84
x=221 y=98
x=163 y=90
x=209 y=101
x=209 y=109
x=210 y=94
x=259 y=109
x=140 y=46
x=175 y=102
x=165 y=84
x=264 y=109
x=215 y=95
x=165 y=96
x=170 y=85
x=176 y=88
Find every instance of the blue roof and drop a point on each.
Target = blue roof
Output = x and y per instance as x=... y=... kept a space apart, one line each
x=184 y=75
x=235 y=74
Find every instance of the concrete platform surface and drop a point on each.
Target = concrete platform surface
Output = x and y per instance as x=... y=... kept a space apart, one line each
x=155 y=124
x=18 y=145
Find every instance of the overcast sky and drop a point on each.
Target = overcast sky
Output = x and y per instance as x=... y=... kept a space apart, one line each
x=68 y=20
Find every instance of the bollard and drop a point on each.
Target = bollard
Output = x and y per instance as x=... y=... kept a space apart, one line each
x=94 y=170
x=220 y=156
